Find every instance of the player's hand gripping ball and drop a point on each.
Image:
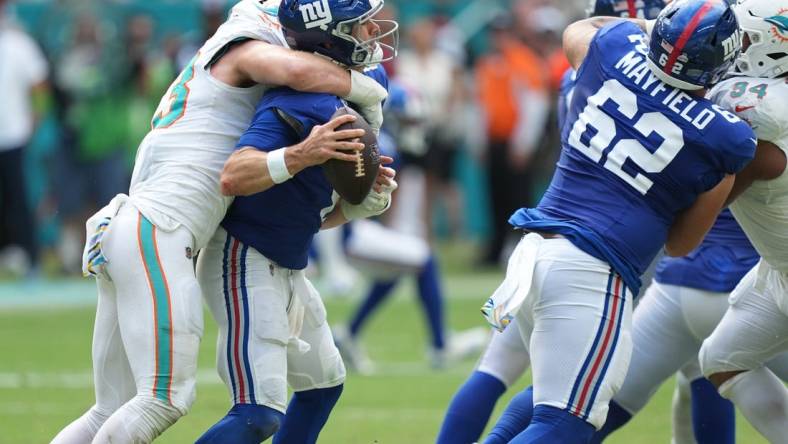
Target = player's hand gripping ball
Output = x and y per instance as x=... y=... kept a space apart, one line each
x=354 y=180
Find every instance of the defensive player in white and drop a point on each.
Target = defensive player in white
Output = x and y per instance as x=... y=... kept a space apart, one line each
x=755 y=327
x=140 y=247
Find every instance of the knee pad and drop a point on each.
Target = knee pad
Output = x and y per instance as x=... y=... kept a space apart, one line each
x=551 y=425
x=244 y=424
x=323 y=396
x=140 y=420
x=707 y=359
x=157 y=413
x=262 y=421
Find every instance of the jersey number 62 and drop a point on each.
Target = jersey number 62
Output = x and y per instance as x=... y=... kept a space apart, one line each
x=649 y=123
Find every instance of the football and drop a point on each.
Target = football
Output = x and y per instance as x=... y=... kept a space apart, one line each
x=354 y=180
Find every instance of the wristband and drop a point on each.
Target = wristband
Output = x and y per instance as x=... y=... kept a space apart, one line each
x=277 y=167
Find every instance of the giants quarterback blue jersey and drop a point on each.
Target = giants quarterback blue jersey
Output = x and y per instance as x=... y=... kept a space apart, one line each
x=281 y=221
x=635 y=153
x=718 y=264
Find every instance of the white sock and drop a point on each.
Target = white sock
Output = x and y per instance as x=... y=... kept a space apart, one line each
x=682 y=411
x=141 y=420
x=82 y=430
x=763 y=400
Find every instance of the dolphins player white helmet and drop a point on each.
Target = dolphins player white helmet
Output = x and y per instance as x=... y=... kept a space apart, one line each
x=755 y=327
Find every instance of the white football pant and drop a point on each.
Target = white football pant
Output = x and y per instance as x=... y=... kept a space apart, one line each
x=146 y=335
x=272 y=325
x=753 y=330
x=505 y=357
x=575 y=323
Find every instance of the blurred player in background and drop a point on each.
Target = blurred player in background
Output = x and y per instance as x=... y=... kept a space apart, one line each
x=272 y=322
x=570 y=281
x=388 y=252
x=23 y=88
x=430 y=71
x=140 y=247
x=91 y=81
x=506 y=357
x=755 y=327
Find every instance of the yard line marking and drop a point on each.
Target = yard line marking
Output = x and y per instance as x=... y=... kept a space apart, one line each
x=205 y=376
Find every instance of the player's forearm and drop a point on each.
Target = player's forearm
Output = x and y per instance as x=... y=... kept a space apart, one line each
x=691 y=226
x=245 y=173
x=274 y=65
x=314 y=74
x=248 y=171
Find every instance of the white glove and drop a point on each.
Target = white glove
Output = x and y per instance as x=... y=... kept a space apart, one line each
x=374 y=204
x=373 y=114
x=368 y=95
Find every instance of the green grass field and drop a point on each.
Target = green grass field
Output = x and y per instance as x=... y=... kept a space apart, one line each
x=45 y=372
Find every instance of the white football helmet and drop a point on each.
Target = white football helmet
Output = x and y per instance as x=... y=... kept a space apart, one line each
x=765 y=24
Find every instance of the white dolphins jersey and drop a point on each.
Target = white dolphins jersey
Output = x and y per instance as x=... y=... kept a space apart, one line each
x=762 y=210
x=195 y=129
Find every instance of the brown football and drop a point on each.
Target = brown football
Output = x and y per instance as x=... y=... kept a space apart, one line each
x=354 y=180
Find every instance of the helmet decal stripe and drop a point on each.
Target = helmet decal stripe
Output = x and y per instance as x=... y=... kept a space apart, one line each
x=687 y=33
x=633 y=13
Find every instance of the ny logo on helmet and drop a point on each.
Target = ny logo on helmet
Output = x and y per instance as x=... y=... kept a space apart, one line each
x=731 y=45
x=316 y=14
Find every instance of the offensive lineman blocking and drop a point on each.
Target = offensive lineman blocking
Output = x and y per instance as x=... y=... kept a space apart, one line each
x=506 y=357
x=640 y=155
x=149 y=316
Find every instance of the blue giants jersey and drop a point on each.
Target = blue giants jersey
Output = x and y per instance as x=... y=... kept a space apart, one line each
x=281 y=221
x=718 y=264
x=635 y=153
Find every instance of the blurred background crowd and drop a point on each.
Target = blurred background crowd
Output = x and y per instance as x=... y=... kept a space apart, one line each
x=79 y=81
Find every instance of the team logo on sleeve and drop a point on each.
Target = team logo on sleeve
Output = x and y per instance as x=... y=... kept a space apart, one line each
x=316 y=14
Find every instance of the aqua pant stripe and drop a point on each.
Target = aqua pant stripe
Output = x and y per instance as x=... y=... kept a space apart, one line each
x=162 y=309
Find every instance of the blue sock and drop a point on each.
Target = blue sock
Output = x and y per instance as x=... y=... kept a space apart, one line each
x=244 y=424
x=377 y=294
x=713 y=417
x=470 y=409
x=432 y=300
x=514 y=419
x=306 y=415
x=616 y=418
x=552 y=425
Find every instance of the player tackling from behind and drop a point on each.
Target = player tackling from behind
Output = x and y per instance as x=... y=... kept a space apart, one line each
x=755 y=327
x=140 y=247
x=646 y=162
x=273 y=331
